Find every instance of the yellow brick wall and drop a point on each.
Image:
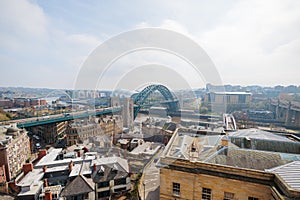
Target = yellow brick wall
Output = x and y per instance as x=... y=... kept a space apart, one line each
x=191 y=186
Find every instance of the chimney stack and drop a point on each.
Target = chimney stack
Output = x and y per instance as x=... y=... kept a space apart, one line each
x=48 y=195
x=45 y=182
x=28 y=167
x=45 y=168
x=42 y=153
x=71 y=164
x=94 y=167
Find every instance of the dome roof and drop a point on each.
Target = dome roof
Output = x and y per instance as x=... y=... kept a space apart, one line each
x=12 y=130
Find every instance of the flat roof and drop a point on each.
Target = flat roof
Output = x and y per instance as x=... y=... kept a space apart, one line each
x=233 y=93
x=258 y=134
x=50 y=159
x=34 y=175
x=34 y=189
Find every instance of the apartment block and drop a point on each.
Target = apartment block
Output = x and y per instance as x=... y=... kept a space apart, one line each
x=14 y=150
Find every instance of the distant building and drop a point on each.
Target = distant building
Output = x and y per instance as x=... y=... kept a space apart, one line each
x=249 y=164
x=22 y=102
x=158 y=111
x=6 y=103
x=50 y=132
x=79 y=131
x=227 y=98
x=82 y=130
x=111 y=125
x=14 y=150
x=114 y=101
x=127 y=112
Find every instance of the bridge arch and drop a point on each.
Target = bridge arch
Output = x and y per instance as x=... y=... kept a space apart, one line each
x=139 y=98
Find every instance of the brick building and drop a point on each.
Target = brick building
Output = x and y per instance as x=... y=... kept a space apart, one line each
x=22 y=102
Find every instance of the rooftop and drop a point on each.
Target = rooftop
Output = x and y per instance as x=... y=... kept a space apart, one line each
x=290 y=173
x=258 y=134
x=80 y=185
x=233 y=93
x=112 y=160
x=180 y=145
x=249 y=159
x=51 y=159
x=34 y=175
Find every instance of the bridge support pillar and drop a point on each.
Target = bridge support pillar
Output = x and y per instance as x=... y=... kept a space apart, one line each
x=297 y=118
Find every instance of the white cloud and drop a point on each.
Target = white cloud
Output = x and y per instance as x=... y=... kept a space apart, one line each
x=30 y=40
x=247 y=45
x=251 y=42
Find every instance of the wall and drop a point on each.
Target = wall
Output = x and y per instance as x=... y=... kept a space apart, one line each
x=191 y=186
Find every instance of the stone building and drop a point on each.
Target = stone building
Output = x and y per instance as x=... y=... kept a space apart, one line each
x=111 y=124
x=82 y=130
x=50 y=132
x=14 y=150
x=79 y=131
x=228 y=98
x=195 y=166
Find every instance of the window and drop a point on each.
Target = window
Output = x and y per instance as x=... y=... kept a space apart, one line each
x=120 y=181
x=176 y=189
x=103 y=184
x=104 y=194
x=206 y=194
x=228 y=196
x=253 y=198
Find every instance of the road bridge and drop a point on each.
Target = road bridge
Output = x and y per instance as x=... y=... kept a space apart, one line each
x=170 y=100
x=37 y=121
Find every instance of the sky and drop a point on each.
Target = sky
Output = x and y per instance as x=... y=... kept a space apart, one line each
x=46 y=43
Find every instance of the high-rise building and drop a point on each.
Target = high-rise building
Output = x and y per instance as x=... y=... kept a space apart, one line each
x=127 y=112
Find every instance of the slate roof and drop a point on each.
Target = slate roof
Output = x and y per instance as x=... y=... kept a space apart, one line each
x=80 y=185
x=249 y=159
x=254 y=133
x=108 y=172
